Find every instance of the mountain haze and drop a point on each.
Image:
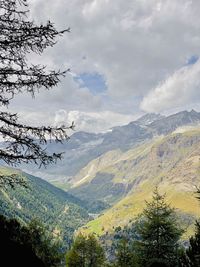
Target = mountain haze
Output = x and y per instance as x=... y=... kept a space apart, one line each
x=84 y=147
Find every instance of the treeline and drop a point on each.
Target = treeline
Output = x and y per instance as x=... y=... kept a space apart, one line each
x=156 y=243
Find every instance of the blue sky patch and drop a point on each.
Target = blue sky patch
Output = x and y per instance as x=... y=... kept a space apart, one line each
x=93 y=81
x=192 y=60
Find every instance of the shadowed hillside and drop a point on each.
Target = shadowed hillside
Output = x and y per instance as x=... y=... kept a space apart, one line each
x=52 y=206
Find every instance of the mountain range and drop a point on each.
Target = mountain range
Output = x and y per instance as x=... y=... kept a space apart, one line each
x=126 y=179
x=112 y=174
x=133 y=159
x=84 y=147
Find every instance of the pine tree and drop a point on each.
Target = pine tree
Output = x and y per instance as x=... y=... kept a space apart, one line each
x=191 y=257
x=85 y=252
x=125 y=256
x=18 y=38
x=159 y=234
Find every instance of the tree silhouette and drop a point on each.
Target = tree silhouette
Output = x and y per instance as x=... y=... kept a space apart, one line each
x=19 y=37
x=30 y=245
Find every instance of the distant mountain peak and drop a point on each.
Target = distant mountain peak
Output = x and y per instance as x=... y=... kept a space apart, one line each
x=149 y=118
x=172 y=122
x=194 y=111
x=186 y=112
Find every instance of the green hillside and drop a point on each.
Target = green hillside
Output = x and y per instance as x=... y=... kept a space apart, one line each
x=172 y=163
x=52 y=206
x=109 y=177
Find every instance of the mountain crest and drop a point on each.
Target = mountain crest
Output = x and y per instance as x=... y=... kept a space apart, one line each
x=149 y=118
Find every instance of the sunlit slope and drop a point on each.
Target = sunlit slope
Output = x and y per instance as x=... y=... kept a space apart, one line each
x=110 y=177
x=172 y=163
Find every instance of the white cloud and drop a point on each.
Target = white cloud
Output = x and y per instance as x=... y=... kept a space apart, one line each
x=94 y=8
x=133 y=44
x=67 y=96
x=92 y=121
x=84 y=121
x=179 y=90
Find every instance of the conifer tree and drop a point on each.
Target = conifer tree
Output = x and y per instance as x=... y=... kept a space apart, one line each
x=85 y=252
x=18 y=37
x=125 y=256
x=159 y=234
x=191 y=257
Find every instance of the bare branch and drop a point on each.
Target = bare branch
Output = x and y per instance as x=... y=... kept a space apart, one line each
x=18 y=37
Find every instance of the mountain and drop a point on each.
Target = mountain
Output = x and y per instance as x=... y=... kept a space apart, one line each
x=149 y=118
x=84 y=147
x=57 y=209
x=126 y=179
x=98 y=181
x=171 y=123
x=113 y=173
x=78 y=151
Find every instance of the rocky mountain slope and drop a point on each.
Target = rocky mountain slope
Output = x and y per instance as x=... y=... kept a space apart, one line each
x=172 y=163
x=171 y=123
x=116 y=171
x=84 y=147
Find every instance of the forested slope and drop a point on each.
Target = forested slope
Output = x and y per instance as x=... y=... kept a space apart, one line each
x=55 y=208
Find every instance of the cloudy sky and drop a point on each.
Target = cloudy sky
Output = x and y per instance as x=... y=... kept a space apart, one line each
x=127 y=57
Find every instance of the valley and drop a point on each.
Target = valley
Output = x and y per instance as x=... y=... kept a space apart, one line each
x=172 y=163
x=106 y=178
x=59 y=211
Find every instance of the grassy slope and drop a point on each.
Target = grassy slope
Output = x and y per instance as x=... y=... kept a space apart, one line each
x=114 y=168
x=107 y=163
x=172 y=163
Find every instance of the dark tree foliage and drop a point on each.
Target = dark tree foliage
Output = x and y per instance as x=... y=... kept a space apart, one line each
x=159 y=234
x=85 y=252
x=27 y=246
x=125 y=255
x=191 y=257
x=198 y=193
x=18 y=38
x=46 y=247
x=11 y=181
